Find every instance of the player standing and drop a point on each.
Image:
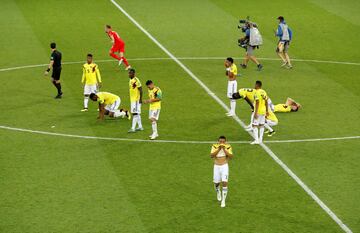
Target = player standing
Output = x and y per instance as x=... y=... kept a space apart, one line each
x=91 y=80
x=221 y=152
x=155 y=97
x=118 y=45
x=231 y=73
x=136 y=94
x=109 y=105
x=260 y=111
x=55 y=65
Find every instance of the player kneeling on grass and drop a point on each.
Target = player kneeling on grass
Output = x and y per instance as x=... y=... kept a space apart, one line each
x=155 y=96
x=270 y=121
x=135 y=100
x=221 y=152
x=91 y=80
x=108 y=105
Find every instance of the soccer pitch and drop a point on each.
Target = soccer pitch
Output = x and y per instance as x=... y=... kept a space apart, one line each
x=63 y=171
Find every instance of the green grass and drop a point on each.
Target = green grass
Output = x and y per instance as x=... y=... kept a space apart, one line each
x=57 y=184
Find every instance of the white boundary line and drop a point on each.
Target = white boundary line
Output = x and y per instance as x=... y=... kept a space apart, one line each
x=179 y=58
x=166 y=141
x=220 y=102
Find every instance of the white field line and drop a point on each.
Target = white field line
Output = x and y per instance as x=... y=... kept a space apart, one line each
x=220 y=102
x=179 y=58
x=165 y=141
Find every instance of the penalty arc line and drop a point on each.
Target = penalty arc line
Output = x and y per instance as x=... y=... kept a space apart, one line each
x=221 y=103
x=166 y=141
x=179 y=58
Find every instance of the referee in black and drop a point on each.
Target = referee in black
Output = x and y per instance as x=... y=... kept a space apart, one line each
x=55 y=64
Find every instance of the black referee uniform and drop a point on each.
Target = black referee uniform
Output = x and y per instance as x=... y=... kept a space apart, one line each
x=56 y=69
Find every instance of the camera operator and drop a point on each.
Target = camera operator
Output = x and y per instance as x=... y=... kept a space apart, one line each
x=285 y=35
x=250 y=42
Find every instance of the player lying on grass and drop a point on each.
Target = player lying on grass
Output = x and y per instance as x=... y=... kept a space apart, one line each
x=231 y=73
x=155 y=97
x=221 y=152
x=91 y=80
x=289 y=106
x=109 y=105
x=136 y=94
x=118 y=45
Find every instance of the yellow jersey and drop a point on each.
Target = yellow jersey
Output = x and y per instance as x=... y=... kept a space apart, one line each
x=233 y=69
x=155 y=93
x=221 y=153
x=272 y=116
x=91 y=74
x=247 y=92
x=106 y=98
x=261 y=96
x=134 y=85
x=282 y=108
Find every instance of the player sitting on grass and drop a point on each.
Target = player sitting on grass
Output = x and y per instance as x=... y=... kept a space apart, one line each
x=221 y=152
x=270 y=121
x=290 y=106
x=118 y=45
x=108 y=105
x=91 y=80
x=155 y=97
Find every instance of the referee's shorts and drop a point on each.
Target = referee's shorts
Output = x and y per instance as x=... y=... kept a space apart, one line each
x=56 y=73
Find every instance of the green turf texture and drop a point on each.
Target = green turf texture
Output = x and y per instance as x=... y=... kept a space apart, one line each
x=57 y=184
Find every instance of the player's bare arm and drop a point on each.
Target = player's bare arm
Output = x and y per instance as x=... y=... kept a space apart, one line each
x=267 y=106
x=49 y=67
x=256 y=109
x=141 y=94
x=101 y=112
x=250 y=103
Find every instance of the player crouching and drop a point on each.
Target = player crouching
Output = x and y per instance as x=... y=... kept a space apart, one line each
x=221 y=152
x=91 y=80
x=270 y=121
x=109 y=105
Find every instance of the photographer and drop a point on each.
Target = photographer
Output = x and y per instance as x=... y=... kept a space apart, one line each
x=251 y=41
x=285 y=35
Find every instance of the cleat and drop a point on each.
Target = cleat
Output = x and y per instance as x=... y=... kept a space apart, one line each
x=128 y=67
x=218 y=195
x=267 y=131
x=243 y=66
x=284 y=64
x=259 y=67
x=139 y=129
x=120 y=62
x=154 y=136
x=289 y=66
x=271 y=133
x=84 y=110
x=59 y=96
x=223 y=204
x=131 y=131
x=255 y=143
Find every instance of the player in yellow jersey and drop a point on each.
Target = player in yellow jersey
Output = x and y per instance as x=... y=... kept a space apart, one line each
x=231 y=73
x=290 y=106
x=155 y=97
x=248 y=95
x=260 y=112
x=109 y=105
x=270 y=121
x=221 y=152
x=136 y=94
x=91 y=79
